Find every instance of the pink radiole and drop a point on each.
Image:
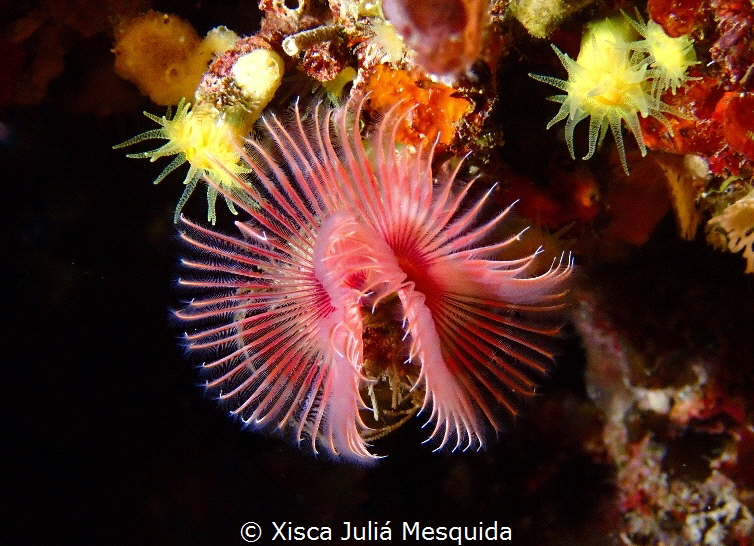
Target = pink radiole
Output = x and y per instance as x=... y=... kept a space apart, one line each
x=340 y=231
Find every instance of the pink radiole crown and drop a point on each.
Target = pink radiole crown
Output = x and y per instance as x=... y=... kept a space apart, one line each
x=342 y=231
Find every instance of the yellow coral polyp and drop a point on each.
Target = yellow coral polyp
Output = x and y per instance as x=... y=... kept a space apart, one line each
x=209 y=142
x=387 y=41
x=210 y=138
x=669 y=58
x=608 y=84
x=336 y=87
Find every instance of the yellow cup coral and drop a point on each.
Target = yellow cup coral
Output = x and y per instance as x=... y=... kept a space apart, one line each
x=608 y=83
x=258 y=75
x=203 y=139
x=210 y=134
x=669 y=58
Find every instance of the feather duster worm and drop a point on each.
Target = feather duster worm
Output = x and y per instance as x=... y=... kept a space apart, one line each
x=344 y=241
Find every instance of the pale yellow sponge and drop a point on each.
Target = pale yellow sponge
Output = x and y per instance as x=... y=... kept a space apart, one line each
x=258 y=74
x=163 y=55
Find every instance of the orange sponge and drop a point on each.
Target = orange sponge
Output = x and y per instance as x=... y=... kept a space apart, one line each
x=435 y=108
